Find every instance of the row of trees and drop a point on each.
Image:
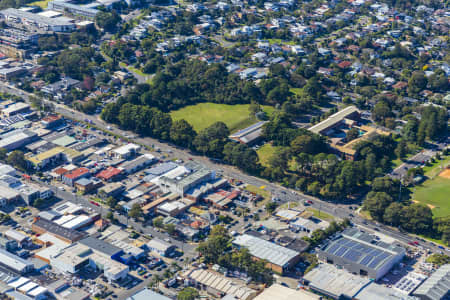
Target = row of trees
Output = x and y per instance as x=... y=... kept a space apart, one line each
x=217 y=250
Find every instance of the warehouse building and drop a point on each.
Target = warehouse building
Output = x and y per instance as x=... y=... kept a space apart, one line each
x=437 y=286
x=132 y=166
x=280 y=259
x=16 y=108
x=68 y=235
x=161 y=247
x=362 y=253
x=102 y=247
x=16 y=139
x=279 y=292
x=13 y=262
x=13 y=16
x=218 y=285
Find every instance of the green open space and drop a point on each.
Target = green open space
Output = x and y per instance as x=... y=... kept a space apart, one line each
x=265 y=153
x=320 y=214
x=202 y=115
x=435 y=193
x=259 y=190
x=42 y=4
x=433 y=169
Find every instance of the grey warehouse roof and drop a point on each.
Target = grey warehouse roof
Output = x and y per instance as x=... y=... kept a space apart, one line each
x=54 y=228
x=146 y=294
x=263 y=249
x=100 y=246
x=333 y=119
x=361 y=248
x=34 y=17
x=436 y=287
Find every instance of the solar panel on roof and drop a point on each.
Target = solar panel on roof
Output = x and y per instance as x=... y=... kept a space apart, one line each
x=333 y=248
x=383 y=255
x=375 y=252
x=375 y=262
x=352 y=255
x=341 y=251
x=365 y=261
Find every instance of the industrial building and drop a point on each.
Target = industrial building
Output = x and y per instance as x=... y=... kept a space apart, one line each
x=13 y=262
x=218 y=285
x=279 y=258
x=132 y=166
x=161 y=247
x=16 y=139
x=437 y=286
x=279 y=292
x=361 y=253
x=146 y=294
x=13 y=17
x=69 y=235
x=184 y=178
x=15 y=109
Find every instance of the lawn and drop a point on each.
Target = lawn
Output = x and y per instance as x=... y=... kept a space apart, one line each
x=280 y=42
x=42 y=4
x=321 y=215
x=203 y=115
x=265 y=153
x=435 y=193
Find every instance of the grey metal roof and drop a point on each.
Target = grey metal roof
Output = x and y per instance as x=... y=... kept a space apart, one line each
x=146 y=294
x=333 y=119
x=34 y=17
x=263 y=249
x=162 y=168
x=56 y=229
x=100 y=246
x=437 y=287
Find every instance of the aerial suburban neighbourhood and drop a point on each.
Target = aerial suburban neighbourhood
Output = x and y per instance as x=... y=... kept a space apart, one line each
x=226 y=149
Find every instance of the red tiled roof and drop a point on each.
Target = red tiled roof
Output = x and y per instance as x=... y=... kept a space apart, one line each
x=345 y=64
x=77 y=173
x=108 y=173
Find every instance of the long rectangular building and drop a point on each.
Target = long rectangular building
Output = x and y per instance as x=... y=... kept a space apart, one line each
x=13 y=17
x=15 y=263
x=279 y=258
x=41 y=226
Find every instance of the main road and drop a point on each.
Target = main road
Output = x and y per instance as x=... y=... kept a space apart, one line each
x=280 y=192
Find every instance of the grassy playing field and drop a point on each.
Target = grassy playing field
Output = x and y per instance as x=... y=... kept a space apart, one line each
x=203 y=115
x=434 y=193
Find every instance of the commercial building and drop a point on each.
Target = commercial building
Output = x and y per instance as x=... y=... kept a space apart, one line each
x=437 y=286
x=130 y=167
x=146 y=294
x=279 y=292
x=7 y=74
x=74 y=9
x=218 y=285
x=184 y=182
x=8 y=195
x=69 y=178
x=109 y=174
x=14 y=17
x=16 y=108
x=161 y=247
x=250 y=135
x=62 y=290
x=126 y=151
x=42 y=226
x=102 y=247
x=16 y=139
x=15 y=263
x=278 y=258
x=361 y=253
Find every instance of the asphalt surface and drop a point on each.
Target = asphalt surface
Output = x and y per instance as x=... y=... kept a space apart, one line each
x=285 y=195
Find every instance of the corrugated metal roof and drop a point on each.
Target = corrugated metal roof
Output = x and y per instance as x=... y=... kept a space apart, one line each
x=436 y=287
x=263 y=249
